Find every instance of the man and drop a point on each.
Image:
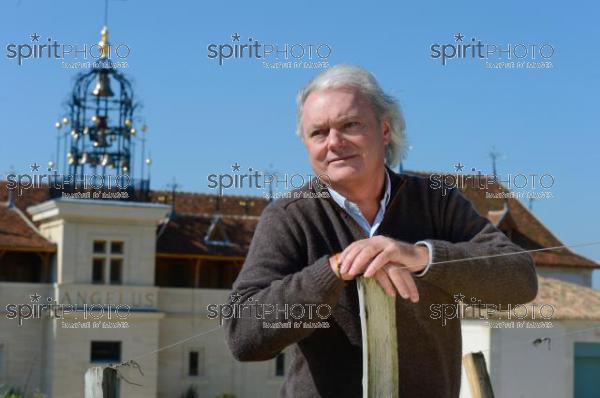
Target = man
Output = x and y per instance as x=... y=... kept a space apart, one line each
x=373 y=222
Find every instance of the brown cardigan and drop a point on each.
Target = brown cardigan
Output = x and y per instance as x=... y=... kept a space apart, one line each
x=288 y=263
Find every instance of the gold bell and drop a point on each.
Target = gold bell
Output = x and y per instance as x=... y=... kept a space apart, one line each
x=102 y=88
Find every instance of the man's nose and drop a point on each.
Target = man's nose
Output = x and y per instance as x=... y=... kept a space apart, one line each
x=335 y=138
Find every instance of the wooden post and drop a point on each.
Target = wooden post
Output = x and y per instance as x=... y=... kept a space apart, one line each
x=379 y=340
x=101 y=382
x=477 y=374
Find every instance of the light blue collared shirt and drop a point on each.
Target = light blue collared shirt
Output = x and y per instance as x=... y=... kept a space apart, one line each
x=354 y=211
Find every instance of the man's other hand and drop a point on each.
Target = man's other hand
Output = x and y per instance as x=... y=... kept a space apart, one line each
x=391 y=262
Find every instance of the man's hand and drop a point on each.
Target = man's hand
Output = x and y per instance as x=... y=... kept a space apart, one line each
x=391 y=262
x=393 y=278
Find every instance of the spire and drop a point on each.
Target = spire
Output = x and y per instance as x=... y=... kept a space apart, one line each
x=494 y=155
x=173 y=185
x=103 y=43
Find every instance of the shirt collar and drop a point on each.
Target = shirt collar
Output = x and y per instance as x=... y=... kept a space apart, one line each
x=346 y=204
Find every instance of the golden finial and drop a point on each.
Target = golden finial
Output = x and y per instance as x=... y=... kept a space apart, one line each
x=103 y=43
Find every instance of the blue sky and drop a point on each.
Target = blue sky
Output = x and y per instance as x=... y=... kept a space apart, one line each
x=204 y=117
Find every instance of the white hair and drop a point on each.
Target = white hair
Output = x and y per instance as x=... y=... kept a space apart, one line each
x=384 y=106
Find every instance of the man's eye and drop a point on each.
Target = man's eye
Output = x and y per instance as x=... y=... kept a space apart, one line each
x=350 y=125
x=317 y=133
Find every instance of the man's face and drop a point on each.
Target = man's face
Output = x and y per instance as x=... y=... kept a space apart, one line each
x=343 y=137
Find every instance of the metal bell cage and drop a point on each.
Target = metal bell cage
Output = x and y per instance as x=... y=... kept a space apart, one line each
x=99 y=137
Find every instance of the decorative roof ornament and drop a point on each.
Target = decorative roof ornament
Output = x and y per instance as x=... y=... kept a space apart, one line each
x=103 y=43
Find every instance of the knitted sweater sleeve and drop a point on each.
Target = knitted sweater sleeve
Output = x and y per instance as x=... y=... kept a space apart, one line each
x=474 y=257
x=282 y=287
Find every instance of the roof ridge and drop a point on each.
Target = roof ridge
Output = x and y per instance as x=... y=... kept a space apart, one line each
x=208 y=194
x=27 y=221
x=221 y=215
x=536 y=219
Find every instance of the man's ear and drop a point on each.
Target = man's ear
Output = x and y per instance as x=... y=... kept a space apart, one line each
x=387 y=132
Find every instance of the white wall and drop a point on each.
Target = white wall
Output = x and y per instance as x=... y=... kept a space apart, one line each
x=72 y=349
x=186 y=316
x=518 y=369
x=22 y=346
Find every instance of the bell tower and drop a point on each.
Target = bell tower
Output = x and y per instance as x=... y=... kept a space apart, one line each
x=97 y=136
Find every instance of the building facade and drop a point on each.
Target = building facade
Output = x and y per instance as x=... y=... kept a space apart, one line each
x=126 y=279
x=131 y=281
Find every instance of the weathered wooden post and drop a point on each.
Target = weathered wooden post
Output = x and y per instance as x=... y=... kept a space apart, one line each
x=101 y=382
x=477 y=374
x=379 y=340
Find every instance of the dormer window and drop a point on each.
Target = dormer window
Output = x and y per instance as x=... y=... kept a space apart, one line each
x=216 y=234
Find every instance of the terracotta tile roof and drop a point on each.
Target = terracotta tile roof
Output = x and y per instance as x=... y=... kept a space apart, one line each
x=514 y=219
x=18 y=233
x=201 y=203
x=194 y=213
x=569 y=301
x=553 y=259
x=185 y=202
x=186 y=233
x=29 y=197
